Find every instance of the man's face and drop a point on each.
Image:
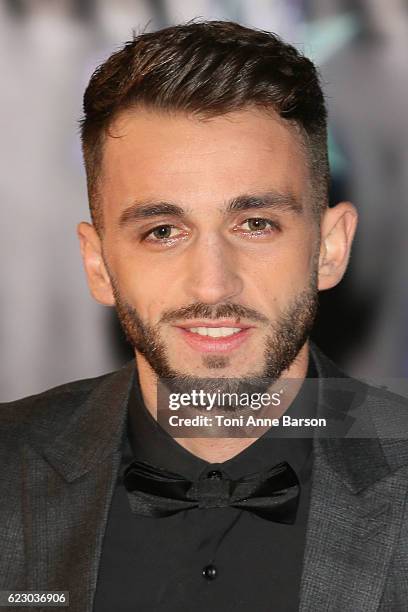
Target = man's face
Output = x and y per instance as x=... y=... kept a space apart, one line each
x=209 y=229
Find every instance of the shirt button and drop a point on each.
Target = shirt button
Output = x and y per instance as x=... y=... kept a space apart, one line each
x=214 y=475
x=210 y=572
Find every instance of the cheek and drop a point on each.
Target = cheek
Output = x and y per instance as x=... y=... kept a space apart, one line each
x=287 y=268
x=149 y=284
x=146 y=294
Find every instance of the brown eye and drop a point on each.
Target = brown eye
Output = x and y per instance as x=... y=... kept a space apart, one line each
x=163 y=235
x=257 y=224
x=258 y=227
x=163 y=231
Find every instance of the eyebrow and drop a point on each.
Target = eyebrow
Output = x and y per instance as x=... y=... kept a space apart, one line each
x=283 y=202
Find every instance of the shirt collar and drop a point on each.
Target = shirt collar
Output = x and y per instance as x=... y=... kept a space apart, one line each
x=149 y=442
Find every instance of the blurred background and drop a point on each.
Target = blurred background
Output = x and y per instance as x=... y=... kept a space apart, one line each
x=51 y=331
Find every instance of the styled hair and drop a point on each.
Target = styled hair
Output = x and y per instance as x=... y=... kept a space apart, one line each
x=206 y=69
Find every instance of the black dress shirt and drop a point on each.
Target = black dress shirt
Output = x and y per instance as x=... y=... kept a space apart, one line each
x=215 y=559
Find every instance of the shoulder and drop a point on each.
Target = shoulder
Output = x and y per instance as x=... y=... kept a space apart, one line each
x=379 y=411
x=389 y=414
x=50 y=409
x=382 y=402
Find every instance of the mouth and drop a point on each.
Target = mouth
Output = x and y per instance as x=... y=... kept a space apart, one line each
x=220 y=336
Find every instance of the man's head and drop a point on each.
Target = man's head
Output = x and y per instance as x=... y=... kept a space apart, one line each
x=206 y=159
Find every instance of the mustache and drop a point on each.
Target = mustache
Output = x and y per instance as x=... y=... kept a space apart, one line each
x=204 y=311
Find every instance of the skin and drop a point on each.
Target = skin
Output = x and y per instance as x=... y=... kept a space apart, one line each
x=211 y=259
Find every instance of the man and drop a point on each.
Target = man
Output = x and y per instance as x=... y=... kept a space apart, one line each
x=206 y=159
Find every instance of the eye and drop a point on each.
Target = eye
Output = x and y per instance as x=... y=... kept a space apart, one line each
x=161 y=233
x=258 y=224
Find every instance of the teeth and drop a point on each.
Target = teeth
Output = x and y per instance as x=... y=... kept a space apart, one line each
x=215 y=332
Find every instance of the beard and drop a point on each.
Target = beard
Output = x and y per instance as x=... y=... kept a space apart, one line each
x=284 y=339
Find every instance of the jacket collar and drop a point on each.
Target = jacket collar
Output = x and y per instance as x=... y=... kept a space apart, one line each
x=96 y=428
x=351 y=445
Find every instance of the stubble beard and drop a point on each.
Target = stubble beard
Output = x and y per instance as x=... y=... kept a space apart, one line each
x=285 y=338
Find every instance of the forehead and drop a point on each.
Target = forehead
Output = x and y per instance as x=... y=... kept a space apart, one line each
x=197 y=162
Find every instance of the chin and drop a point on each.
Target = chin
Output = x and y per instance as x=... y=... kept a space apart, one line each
x=218 y=371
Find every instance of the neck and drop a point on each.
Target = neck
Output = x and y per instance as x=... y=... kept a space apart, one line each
x=220 y=449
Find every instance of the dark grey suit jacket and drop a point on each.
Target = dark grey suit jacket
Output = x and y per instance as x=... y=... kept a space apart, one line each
x=60 y=453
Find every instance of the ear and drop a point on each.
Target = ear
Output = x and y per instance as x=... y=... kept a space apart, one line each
x=97 y=275
x=338 y=227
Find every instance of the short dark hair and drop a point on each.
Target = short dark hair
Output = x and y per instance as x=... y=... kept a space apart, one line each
x=206 y=69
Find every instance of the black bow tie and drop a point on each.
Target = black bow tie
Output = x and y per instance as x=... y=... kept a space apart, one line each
x=154 y=492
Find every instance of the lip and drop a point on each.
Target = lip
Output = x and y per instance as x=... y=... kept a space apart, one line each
x=218 y=323
x=214 y=345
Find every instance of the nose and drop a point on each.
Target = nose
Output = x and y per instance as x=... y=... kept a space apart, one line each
x=212 y=271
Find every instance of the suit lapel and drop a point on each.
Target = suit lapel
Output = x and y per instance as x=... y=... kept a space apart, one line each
x=67 y=489
x=355 y=514
x=350 y=540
